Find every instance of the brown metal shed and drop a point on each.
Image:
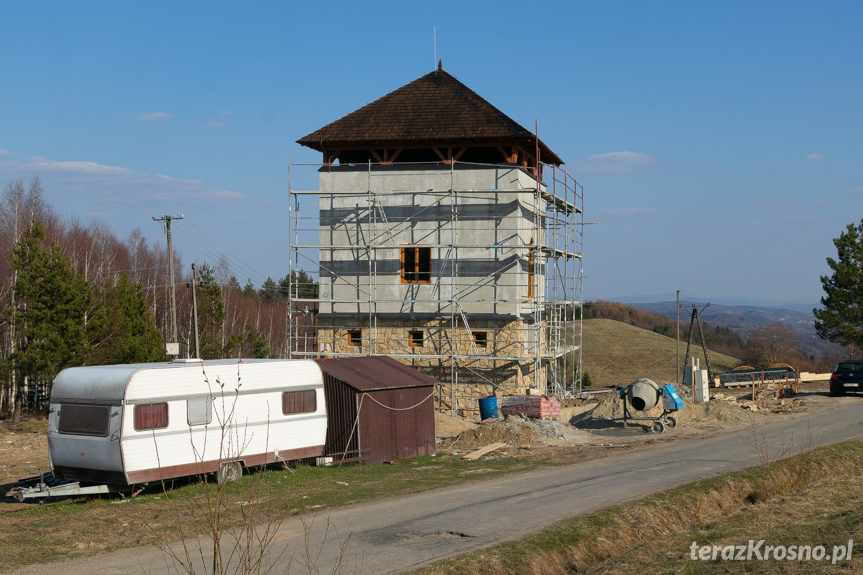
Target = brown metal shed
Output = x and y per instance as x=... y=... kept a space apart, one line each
x=379 y=409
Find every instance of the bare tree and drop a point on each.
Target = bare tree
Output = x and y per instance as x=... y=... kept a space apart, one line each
x=774 y=343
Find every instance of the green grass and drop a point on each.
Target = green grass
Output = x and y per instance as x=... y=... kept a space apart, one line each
x=39 y=533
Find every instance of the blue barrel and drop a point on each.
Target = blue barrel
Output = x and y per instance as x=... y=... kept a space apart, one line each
x=488 y=407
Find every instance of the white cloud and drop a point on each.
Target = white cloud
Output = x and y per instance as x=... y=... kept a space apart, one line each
x=154 y=117
x=615 y=162
x=815 y=157
x=5 y=152
x=854 y=190
x=215 y=125
x=115 y=181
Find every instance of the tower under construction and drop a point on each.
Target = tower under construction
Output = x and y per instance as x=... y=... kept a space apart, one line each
x=446 y=236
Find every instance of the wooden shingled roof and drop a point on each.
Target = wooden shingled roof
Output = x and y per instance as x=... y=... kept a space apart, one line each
x=435 y=111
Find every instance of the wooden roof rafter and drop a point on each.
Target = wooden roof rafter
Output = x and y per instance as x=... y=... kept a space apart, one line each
x=450 y=157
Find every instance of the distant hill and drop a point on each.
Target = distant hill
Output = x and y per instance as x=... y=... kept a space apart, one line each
x=745 y=319
x=616 y=353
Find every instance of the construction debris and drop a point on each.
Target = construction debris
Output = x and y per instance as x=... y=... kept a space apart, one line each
x=482 y=451
x=535 y=407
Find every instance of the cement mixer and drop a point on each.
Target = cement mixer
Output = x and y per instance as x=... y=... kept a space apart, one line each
x=643 y=394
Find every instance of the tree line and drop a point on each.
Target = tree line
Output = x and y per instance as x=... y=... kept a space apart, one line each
x=74 y=294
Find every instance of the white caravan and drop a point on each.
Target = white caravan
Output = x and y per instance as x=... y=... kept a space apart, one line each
x=133 y=424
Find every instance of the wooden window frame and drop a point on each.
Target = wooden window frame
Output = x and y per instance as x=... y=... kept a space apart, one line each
x=355 y=337
x=480 y=339
x=415 y=264
x=416 y=338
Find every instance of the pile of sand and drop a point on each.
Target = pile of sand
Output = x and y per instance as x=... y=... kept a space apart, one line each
x=516 y=432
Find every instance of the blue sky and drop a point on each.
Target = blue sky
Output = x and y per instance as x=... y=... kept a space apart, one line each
x=719 y=143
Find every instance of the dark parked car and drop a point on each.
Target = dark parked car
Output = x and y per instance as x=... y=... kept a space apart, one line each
x=847 y=376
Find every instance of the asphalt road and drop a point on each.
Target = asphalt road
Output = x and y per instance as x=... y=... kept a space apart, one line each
x=402 y=533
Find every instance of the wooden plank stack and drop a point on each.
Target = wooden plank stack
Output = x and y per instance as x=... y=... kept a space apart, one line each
x=533 y=406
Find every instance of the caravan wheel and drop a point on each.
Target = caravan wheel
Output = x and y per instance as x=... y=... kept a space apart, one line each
x=230 y=471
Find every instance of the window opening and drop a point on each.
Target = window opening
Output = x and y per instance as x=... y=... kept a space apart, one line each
x=416 y=265
x=355 y=338
x=480 y=338
x=415 y=338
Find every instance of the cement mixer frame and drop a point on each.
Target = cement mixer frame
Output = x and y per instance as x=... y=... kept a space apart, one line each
x=671 y=403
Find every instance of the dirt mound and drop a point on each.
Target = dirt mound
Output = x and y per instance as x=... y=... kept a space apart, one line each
x=449 y=425
x=517 y=432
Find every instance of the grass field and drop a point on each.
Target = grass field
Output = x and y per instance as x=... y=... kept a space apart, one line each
x=615 y=353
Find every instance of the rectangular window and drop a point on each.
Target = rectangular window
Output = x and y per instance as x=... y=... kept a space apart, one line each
x=355 y=338
x=416 y=265
x=85 y=419
x=480 y=338
x=199 y=411
x=305 y=401
x=415 y=338
x=151 y=416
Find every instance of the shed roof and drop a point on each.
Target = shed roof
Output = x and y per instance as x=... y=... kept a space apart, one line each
x=435 y=109
x=374 y=373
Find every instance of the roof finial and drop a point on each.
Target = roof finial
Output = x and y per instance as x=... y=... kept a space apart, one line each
x=440 y=64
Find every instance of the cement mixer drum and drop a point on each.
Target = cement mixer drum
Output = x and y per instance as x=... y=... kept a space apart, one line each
x=643 y=394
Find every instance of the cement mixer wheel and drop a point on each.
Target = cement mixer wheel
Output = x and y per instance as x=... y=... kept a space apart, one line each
x=657 y=427
x=671 y=421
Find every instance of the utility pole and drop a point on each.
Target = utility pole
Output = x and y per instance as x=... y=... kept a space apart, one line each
x=175 y=341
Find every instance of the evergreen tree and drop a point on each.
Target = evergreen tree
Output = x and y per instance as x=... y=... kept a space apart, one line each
x=50 y=314
x=302 y=284
x=269 y=290
x=211 y=313
x=841 y=318
x=249 y=289
x=122 y=329
x=260 y=348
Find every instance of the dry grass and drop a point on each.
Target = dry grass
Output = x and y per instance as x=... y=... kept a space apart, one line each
x=615 y=353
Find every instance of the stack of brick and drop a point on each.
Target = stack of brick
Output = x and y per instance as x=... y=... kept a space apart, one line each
x=532 y=406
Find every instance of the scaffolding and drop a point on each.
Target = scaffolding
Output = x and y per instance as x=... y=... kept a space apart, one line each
x=471 y=273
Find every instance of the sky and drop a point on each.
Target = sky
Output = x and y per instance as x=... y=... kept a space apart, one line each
x=720 y=144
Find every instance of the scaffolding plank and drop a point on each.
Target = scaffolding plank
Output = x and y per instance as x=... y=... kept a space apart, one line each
x=484 y=450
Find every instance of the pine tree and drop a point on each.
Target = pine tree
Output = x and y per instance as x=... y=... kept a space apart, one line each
x=841 y=318
x=211 y=313
x=122 y=329
x=51 y=314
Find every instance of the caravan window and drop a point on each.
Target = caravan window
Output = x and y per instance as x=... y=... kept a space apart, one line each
x=299 y=402
x=199 y=411
x=151 y=416
x=85 y=419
